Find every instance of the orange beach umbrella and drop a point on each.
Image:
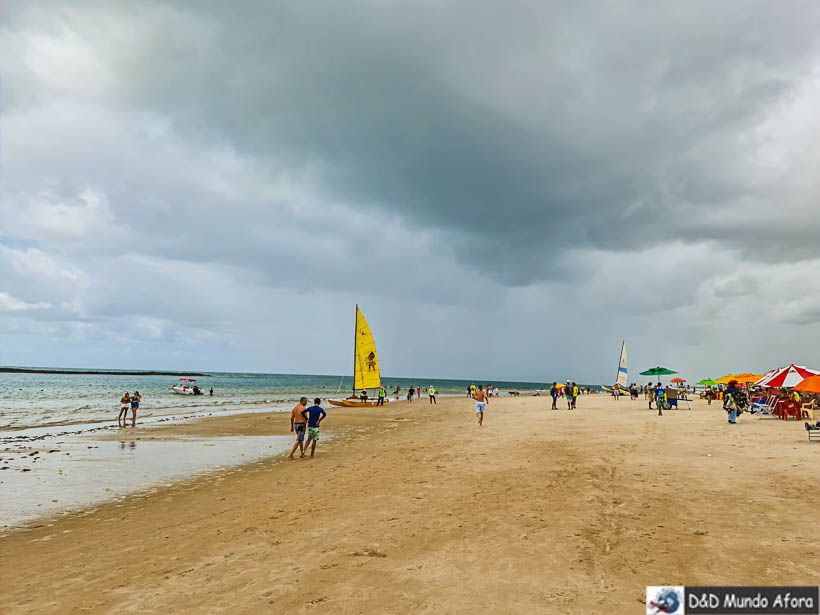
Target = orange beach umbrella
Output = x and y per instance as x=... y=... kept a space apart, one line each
x=748 y=378
x=676 y=380
x=809 y=385
x=744 y=378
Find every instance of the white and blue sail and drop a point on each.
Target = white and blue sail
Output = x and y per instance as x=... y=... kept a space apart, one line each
x=623 y=374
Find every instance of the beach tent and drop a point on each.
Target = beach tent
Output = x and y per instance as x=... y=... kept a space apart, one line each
x=788 y=376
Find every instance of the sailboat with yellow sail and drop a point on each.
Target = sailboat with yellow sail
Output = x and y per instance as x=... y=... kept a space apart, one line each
x=365 y=366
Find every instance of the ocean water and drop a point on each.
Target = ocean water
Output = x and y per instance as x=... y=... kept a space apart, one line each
x=41 y=400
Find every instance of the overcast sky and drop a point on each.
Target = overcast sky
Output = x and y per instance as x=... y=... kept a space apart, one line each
x=507 y=189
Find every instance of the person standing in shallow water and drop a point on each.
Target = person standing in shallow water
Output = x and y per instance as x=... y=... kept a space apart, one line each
x=135 y=405
x=125 y=403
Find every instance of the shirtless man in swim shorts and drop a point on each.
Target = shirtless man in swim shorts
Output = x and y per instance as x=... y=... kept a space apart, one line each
x=298 y=424
x=480 y=398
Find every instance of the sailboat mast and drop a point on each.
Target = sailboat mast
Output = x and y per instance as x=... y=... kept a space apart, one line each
x=355 y=338
x=620 y=354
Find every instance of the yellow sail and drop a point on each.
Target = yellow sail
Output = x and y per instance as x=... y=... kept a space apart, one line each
x=366 y=362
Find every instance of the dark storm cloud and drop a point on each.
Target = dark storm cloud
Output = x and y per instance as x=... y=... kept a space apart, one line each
x=529 y=124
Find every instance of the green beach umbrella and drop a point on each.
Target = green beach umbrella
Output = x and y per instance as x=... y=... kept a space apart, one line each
x=708 y=382
x=658 y=371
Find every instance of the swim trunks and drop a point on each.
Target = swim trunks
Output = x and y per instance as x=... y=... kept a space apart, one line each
x=479 y=406
x=299 y=428
x=313 y=433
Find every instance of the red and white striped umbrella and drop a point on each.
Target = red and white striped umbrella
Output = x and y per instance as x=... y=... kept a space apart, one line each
x=788 y=376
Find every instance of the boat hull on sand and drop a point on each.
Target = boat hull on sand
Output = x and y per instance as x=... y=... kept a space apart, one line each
x=354 y=403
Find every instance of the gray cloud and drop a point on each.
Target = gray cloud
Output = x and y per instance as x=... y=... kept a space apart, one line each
x=499 y=166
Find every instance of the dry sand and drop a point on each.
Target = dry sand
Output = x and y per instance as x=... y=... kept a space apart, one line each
x=416 y=509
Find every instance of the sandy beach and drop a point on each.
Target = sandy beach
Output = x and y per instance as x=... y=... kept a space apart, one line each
x=415 y=509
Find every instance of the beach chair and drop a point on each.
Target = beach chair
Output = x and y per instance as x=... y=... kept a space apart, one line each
x=765 y=407
x=814 y=434
x=787 y=408
x=807 y=410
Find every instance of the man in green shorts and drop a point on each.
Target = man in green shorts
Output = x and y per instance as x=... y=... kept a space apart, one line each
x=315 y=414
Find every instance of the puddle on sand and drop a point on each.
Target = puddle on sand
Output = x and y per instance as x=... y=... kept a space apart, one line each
x=73 y=472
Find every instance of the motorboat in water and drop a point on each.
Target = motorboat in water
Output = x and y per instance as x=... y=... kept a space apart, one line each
x=187 y=386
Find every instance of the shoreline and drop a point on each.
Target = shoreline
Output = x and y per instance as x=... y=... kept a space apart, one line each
x=416 y=509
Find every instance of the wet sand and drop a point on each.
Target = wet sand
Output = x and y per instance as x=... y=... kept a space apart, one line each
x=417 y=509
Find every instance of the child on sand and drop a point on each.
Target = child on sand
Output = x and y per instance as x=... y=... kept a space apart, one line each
x=315 y=415
x=298 y=424
x=480 y=404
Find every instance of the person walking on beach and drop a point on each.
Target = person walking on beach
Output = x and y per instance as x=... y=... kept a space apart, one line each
x=135 y=405
x=575 y=392
x=315 y=415
x=418 y=392
x=554 y=394
x=660 y=395
x=731 y=401
x=472 y=390
x=298 y=425
x=125 y=403
x=382 y=395
x=480 y=404
x=431 y=391
x=568 y=394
